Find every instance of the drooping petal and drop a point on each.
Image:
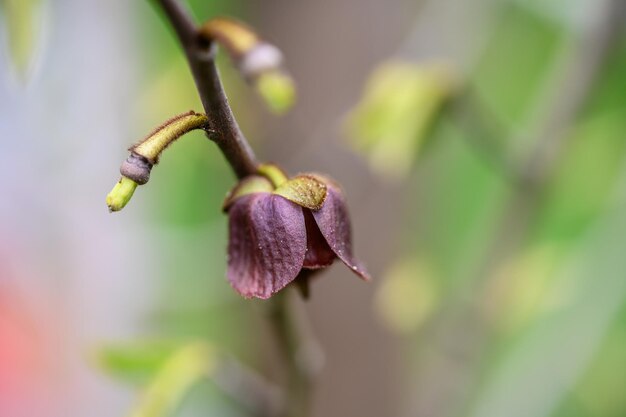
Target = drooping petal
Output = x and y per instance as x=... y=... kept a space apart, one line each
x=267 y=244
x=249 y=185
x=333 y=221
x=318 y=253
x=304 y=190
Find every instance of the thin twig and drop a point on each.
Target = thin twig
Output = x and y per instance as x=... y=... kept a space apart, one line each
x=223 y=128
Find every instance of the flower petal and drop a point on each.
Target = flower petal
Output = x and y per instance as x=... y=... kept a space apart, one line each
x=318 y=253
x=333 y=221
x=304 y=190
x=248 y=185
x=267 y=244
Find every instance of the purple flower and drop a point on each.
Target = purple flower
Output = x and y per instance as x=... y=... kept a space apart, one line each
x=275 y=232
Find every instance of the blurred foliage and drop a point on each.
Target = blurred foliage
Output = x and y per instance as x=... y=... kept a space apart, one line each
x=515 y=63
x=399 y=105
x=137 y=363
x=278 y=90
x=590 y=290
x=521 y=289
x=407 y=296
x=22 y=21
x=552 y=300
x=182 y=370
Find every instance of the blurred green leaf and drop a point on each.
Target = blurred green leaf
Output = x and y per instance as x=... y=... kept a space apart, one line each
x=399 y=104
x=137 y=362
x=464 y=194
x=178 y=374
x=22 y=25
x=516 y=294
x=544 y=363
x=567 y=13
x=587 y=170
x=583 y=180
x=407 y=296
x=608 y=370
x=459 y=197
x=277 y=90
x=516 y=61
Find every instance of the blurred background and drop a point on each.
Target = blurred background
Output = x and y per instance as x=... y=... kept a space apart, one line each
x=481 y=145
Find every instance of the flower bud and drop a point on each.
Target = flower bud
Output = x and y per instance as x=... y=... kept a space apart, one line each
x=278 y=233
x=121 y=194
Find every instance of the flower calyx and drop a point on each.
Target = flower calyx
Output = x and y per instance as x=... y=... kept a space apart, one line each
x=305 y=190
x=259 y=62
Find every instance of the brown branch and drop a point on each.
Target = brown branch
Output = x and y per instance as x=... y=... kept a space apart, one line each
x=223 y=128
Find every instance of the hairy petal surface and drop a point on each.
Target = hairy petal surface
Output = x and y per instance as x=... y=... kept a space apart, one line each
x=318 y=253
x=304 y=190
x=333 y=221
x=267 y=244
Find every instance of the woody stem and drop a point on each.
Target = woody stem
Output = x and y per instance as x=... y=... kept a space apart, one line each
x=222 y=126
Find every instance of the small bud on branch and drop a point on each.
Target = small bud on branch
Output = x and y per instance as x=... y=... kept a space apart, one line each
x=259 y=62
x=121 y=194
x=163 y=136
x=144 y=155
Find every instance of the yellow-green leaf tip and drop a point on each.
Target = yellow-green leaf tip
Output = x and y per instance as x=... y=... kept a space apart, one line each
x=121 y=194
x=277 y=90
x=304 y=190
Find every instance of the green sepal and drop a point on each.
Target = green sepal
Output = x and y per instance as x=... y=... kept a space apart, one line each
x=273 y=173
x=304 y=190
x=249 y=185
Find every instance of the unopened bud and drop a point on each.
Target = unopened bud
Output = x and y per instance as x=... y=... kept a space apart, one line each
x=277 y=89
x=263 y=57
x=121 y=194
